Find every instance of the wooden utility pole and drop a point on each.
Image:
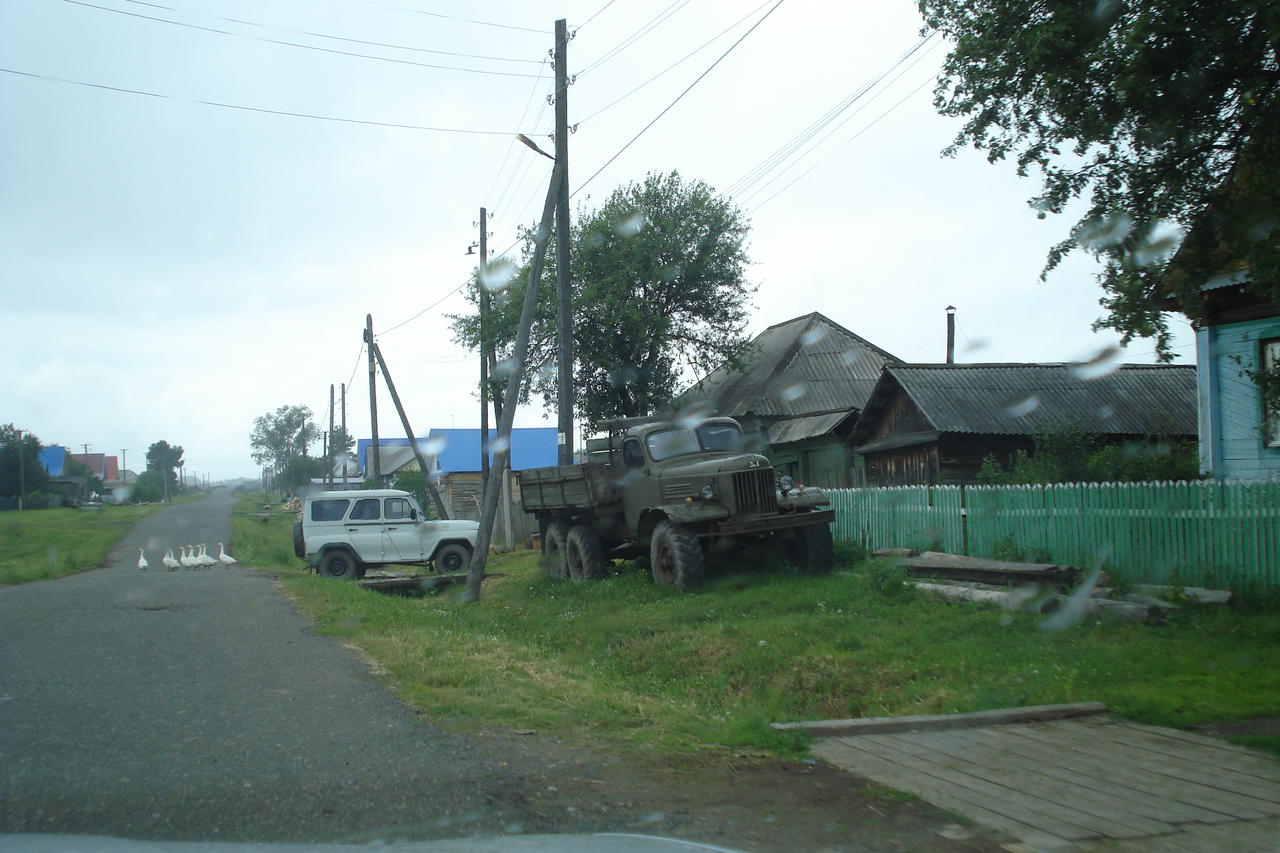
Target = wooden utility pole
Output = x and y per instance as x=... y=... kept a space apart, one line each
x=489 y=510
x=564 y=281
x=483 y=279
x=376 y=466
x=22 y=474
x=441 y=510
x=345 y=436
x=328 y=455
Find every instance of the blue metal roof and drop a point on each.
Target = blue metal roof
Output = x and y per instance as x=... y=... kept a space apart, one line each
x=53 y=458
x=458 y=450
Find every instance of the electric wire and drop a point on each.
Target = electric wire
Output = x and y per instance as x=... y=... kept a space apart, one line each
x=244 y=108
x=339 y=38
x=474 y=21
x=514 y=142
x=644 y=30
x=594 y=15
x=673 y=65
x=800 y=157
x=679 y=97
x=299 y=45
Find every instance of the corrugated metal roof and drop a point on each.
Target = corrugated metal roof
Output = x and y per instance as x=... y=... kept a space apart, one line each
x=809 y=426
x=52 y=458
x=1019 y=399
x=806 y=365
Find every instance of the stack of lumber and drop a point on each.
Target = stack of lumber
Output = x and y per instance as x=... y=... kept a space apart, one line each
x=936 y=564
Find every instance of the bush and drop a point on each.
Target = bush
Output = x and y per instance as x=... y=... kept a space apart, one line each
x=849 y=552
x=889 y=579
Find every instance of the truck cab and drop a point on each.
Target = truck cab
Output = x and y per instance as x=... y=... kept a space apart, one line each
x=343 y=533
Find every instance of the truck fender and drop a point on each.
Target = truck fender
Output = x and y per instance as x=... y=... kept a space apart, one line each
x=691 y=513
x=314 y=558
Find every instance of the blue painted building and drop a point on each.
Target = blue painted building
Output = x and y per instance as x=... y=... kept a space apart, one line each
x=53 y=458
x=1241 y=332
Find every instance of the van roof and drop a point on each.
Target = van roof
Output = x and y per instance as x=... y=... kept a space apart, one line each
x=353 y=494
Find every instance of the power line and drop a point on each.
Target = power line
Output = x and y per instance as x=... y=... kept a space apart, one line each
x=514 y=142
x=299 y=45
x=594 y=15
x=678 y=97
x=336 y=38
x=482 y=23
x=643 y=31
x=680 y=61
x=244 y=108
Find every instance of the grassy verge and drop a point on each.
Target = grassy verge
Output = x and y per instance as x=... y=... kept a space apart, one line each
x=687 y=671
x=46 y=543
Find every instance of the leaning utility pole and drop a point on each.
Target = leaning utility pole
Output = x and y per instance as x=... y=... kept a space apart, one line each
x=344 y=433
x=413 y=441
x=482 y=280
x=328 y=455
x=564 y=282
x=518 y=354
x=376 y=466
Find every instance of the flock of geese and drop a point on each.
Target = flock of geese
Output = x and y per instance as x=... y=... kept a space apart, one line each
x=193 y=557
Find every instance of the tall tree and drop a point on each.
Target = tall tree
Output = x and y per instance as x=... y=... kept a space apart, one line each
x=165 y=458
x=280 y=437
x=20 y=447
x=659 y=286
x=1164 y=114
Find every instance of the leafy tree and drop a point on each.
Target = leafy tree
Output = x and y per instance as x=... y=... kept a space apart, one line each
x=148 y=488
x=281 y=436
x=15 y=443
x=1164 y=114
x=165 y=458
x=412 y=481
x=658 y=286
x=75 y=468
x=298 y=472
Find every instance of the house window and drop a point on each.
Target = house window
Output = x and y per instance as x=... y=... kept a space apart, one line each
x=1271 y=392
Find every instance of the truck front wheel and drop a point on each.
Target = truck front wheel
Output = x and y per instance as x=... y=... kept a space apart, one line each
x=675 y=556
x=584 y=554
x=556 y=545
x=811 y=551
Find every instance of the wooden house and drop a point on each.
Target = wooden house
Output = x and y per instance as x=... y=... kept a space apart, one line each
x=935 y=423
x=797 y=395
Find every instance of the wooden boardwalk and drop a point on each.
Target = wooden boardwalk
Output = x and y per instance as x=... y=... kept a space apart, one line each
x=1091 y=784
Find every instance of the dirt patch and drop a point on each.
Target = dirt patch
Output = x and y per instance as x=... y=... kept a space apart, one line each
x=747 y=803
x=1269 y=726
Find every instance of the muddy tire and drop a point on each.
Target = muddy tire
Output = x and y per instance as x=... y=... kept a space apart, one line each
x=453 y=559
x=675 y=556
x=339 y=564
x=812 y=551
x=555 y=550
x=584 y=554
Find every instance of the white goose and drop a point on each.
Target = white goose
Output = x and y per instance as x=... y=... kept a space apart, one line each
x=206 y=562
x=185 y=559
x=226 y=559
x=143 y=565
x=169 y=563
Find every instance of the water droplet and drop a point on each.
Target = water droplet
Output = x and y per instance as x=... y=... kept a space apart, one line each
x=812 y=336
x=499 y=445
x=503 y=369
x=498 y=275
x=548 y=373
x=1106 y=412
x=1157 y=244
x=976 y=344
x=1101 y=232
x=1024 y=407
x=654 y=817
x=434 y=445
x=1106 y=10
x=692 y=414
x=794 y=391
x=1105 y=363
x=595 y=239
x=670 y=273
x=630 y=226
x=849 y=357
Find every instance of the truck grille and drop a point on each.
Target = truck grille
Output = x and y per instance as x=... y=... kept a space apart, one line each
x=755 y=493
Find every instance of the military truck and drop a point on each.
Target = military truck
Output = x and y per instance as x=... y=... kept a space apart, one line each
x=679 y=493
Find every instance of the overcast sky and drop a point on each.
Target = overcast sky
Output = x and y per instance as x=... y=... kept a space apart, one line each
x=175 y=265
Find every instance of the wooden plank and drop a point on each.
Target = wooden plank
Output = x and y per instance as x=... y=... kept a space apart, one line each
x=1103 y=813
x=1250 y=835
x=1152 y=805
x=1120 y=760
x=939 y=793
x=1259 y=764
x=1195 y=765
x=1048 y=817
x=929 y=722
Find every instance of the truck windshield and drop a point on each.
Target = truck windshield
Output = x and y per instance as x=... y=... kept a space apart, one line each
x=680 y=442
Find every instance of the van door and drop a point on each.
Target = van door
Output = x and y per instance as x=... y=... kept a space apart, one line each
x=403 y=541
x=364 y=529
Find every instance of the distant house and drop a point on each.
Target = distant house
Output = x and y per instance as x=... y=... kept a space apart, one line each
x=454 y=458
x=798 y=394
x=1239 y=332
x=935 y=423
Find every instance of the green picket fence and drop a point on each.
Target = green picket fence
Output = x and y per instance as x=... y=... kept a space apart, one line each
x=1211 y=532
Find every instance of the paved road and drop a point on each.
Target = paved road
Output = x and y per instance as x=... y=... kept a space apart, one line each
x=199 y=705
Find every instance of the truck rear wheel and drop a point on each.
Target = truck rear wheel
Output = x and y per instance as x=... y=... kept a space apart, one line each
x=584 y=554
x=675 y=556
x=811 y=551
x=555 y=547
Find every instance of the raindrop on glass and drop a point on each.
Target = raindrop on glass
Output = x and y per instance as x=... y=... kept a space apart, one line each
x=1157 y=244
x=434 y=445
x=1024 y=407
x=499 y=444
x=693 y=414
x=1101 y=232
x=812 y=336
x=498 y=275
x=1106 y=412
x=849 y=358
x=504 y=368
x=630 y=226
x=794 y=391
x=1105 y=363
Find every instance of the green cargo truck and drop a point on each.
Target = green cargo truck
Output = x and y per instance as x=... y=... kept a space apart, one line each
x=677 y=493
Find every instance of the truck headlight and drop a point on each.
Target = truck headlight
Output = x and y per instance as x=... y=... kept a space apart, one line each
x=708 y=492
x=785 y=483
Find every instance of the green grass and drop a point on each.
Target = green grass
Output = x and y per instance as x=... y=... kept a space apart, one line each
x=46 y=543
x=710 y=669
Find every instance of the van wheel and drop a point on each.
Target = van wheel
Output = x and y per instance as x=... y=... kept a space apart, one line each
x=299 y=543
x=675 y=556
x=556 y=545
x=584 y=554
x=338 y=564
x=453 y=558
